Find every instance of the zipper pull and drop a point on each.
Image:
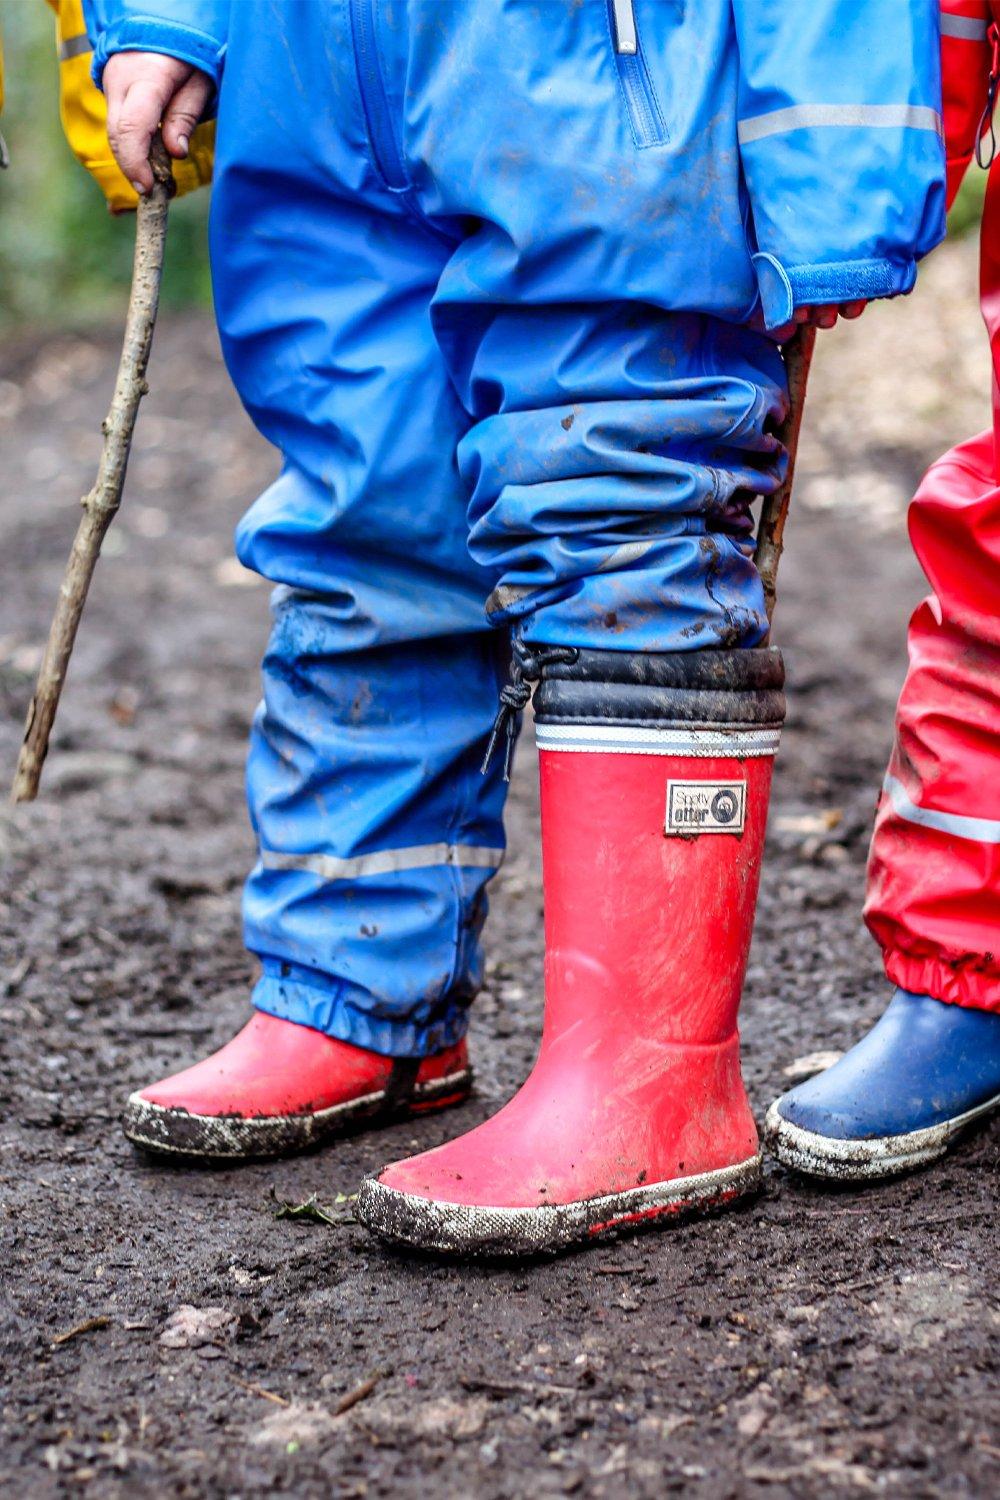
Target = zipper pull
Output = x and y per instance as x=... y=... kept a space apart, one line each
x=982 y=159
x=626 y=37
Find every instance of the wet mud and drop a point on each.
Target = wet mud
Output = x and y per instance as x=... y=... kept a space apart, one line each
x=169 y=1331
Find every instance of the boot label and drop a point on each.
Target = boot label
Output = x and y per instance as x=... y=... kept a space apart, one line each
x=695 y=807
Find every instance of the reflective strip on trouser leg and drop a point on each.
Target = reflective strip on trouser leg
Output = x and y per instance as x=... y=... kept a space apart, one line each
x=955 y=825
x=386 y=861
x=377 y=832
x=933 y=898
x=965 y=28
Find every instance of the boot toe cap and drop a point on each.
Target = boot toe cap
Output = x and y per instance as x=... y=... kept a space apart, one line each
x=810 y=1109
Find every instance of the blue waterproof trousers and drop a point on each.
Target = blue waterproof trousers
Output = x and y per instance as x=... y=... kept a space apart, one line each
x=504 y=347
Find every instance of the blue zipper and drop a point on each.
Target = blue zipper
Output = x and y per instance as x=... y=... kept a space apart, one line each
x=374 y=100
x=644 y=111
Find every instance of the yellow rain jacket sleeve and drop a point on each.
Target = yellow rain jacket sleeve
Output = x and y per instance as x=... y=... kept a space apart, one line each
x=84 y=117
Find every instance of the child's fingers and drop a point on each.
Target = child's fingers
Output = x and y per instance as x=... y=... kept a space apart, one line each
x=183 y=113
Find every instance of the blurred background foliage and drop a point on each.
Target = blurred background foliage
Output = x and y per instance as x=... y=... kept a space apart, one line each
x=967 y=210
x=65 y=262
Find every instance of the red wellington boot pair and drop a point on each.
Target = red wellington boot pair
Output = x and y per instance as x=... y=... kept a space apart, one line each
x=655 y=776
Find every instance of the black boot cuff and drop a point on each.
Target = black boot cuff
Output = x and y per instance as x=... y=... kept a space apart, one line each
x=677 y=687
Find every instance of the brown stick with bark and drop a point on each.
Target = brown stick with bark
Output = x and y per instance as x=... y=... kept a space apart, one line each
x=798 y=354
x=101 y=505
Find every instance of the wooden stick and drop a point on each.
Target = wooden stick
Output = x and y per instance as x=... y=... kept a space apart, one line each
x=101 y=504
x=798 y=354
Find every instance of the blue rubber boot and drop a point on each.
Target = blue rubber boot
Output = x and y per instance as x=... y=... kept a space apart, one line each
x=895 y=1101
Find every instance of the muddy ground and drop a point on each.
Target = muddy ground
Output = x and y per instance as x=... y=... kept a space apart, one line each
x=816 y=1343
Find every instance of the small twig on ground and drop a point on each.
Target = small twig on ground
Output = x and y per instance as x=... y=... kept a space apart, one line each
x=16 y=977
x=89 y=1325
x=358 y=1394
x=100 y=506
x=258 y=1390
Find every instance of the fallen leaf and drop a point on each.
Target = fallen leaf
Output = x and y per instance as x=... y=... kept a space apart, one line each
x=310 y=1209
x=297 y=1423
x=192 y=1327
x=810 y=1064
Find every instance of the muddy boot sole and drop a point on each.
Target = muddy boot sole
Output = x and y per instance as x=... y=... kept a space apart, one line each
x=870 y=1160
x=454 y=1229
x=179 y=1134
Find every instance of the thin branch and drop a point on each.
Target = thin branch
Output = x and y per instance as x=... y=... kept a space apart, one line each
x=798 y=354
x=101 y=505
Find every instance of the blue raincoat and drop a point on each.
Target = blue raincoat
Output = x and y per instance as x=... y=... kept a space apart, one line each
x=499 y=279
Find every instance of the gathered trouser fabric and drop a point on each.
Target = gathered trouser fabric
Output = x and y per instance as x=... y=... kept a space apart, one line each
x=499 y=403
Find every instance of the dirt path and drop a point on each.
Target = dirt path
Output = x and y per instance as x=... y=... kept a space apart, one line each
x=816 y=1344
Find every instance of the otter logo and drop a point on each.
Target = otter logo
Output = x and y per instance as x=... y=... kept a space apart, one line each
x=696 y=807
x=725 y=806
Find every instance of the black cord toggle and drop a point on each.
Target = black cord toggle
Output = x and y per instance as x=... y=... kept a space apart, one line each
x=984 y=158
x=515 y=695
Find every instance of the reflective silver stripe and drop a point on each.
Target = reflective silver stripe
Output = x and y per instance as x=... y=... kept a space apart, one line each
x=625 y=34
x=980 y=830
x=74 y=46
x=809 y=116
x=628 y=552
x=968 y=28
x=386 y=861
x=625 y=739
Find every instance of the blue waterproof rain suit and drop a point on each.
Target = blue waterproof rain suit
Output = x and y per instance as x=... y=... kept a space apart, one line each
x=499 y=279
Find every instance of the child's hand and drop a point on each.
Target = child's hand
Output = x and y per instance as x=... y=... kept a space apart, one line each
x=826 y=317
x=144 y=89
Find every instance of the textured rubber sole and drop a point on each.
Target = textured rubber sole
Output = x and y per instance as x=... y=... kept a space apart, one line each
x=869 y=1160
x=178 y=1133
x=403 y=1219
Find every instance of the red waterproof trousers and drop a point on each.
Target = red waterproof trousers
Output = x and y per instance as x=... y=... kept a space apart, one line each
x=934 y=871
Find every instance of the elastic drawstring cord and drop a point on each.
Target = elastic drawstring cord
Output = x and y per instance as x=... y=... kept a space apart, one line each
x=984 y=158
x=526 y=667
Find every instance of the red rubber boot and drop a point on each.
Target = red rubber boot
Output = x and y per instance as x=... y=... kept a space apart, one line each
x=655 y=776
x=278 y=1087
